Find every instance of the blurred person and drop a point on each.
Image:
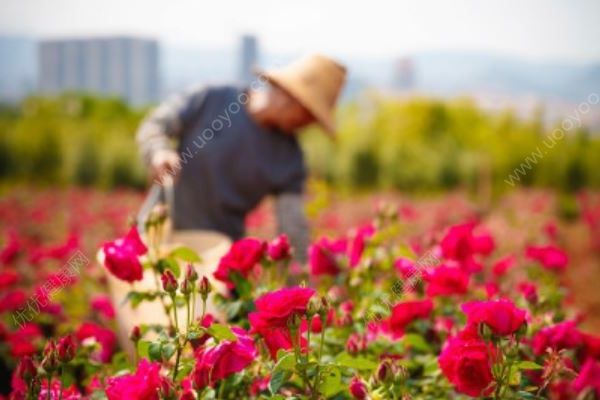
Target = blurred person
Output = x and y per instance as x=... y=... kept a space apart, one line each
x=233 y=146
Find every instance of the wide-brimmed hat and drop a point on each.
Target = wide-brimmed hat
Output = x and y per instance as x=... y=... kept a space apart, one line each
x=315 y=81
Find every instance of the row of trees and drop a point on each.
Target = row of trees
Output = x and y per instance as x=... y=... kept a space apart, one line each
x=412 y=144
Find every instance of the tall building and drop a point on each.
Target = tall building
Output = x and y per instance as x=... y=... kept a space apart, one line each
x=117 y=66
x=249 y=58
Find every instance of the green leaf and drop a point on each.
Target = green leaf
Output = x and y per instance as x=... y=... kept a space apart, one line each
x=416 y=341
x=286 y=362
x=528 y=365
x=168 y=350
x=142 y=348
x=154 y=351
x=278 y=378
x=185 y=254
x=330 y=381
x=359 y=363
x=222 y=332
x=170 y=264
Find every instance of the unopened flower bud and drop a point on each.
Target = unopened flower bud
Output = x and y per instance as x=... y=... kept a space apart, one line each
x=169 y=282
x=66 y=349
x=191 y=274
x=186 y=287
x=279 y=248
x=204 y=287
x=136 y=334
x=384 y=371
x=50 y=361
x=358 y=389
x=167 y=389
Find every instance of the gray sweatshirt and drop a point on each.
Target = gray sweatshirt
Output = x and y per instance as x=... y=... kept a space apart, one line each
x=228 y=163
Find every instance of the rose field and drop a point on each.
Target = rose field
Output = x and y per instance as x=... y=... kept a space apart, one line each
x=401 y=298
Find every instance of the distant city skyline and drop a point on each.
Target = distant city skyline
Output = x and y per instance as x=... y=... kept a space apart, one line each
x=535 y=30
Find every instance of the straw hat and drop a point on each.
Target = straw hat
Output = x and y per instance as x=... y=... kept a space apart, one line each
x=316 y=82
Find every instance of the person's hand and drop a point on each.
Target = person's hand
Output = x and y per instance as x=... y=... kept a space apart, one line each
x=165 y=165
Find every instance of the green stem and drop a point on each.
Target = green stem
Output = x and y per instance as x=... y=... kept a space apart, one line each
x=175 y=313
x=176 y=366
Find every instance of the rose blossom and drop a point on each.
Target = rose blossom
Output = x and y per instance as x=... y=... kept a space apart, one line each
x=274 y=309
x=446 y=281
x=142 y=385
x=461 y=244
x=102 y=335
x=465 y=361
x=104 y=306
x=589 y=377
x=358 y=389
x=241 y=259
x=564 y=335
x=279 y=248
x=214 y=363
x=405 y=313
x=501 y=316
x=121 y=256
x=323 y=256
x=357 y=246
x=551 y=257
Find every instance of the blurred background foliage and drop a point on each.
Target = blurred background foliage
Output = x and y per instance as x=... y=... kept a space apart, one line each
x=411 y=144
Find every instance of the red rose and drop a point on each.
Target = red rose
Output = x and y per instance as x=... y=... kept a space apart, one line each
x=564 y=335
x=142 y=385
x=446 y=281
x=461 y=244
x=502 y=316
x=279 y=248
x=466 y=362
x=589 y=377
x=503 y=265
x=275 y=309
x=104 y=336
x=551 y=257
x=405 y=313
x=358 y=389
x=241 y=258
x=121 y=256
x=323 y=256
x=357 y=246
x=103 y=306
x=214 y=363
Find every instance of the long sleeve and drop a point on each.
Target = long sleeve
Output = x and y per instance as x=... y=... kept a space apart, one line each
x=291 y=220
x=168 y=121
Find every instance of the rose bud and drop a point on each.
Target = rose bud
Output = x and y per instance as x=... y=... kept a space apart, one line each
x=135 y=334
x=384 y=371
x=186 y=287
x=358 y=389
x=191 y=274
x=49 y=362
x=204 y=287
x=169 y=282
x=352 y=345
x=279 y=248
x=66 y=349
x=26 y=369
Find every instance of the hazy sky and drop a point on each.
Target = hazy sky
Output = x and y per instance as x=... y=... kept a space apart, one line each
x=566 y=30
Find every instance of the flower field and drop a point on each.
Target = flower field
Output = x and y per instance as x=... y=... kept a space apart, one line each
x=400 y=299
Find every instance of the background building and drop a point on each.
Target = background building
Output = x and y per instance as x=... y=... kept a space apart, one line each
x=249 y=58
x=121 y=66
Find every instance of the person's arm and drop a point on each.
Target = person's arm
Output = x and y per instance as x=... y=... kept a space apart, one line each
x=163 y=124
x=289 y=210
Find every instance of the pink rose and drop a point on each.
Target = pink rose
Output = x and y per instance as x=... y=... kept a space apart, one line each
x=551 y=257
x=241 y=259
x=501 y=316
x=465 y=361
x=357 y=246
x=104 y=336
x=279 y=248
x=214 y=363
x=589 y=377
x=323 y=256
x=358 y=389
x=461 y=244
x=103 y=306
x=446 y=281
x=564 y=335
x=121 y=256
x=142 y=385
